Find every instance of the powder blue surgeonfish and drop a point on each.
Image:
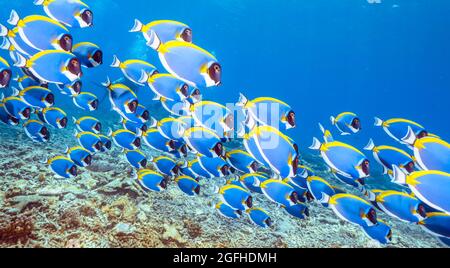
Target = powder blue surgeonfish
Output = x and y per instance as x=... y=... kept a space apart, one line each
x=277 y=150
x=89 y=141
x=204 y=141
x=168 y=87
x=7 y=118
x=227 y=211
x=279 y=192
x=344 y=158
x=190 y=63
x=437 y=223
x=141 y=115
x=267 y=111
x=215 y=166
x=387 y=156
x=353 y=209
x=151 y=180
x=16 y=107
x=427 y=186
x=136 y=158
x=86 y=101
x=259 y=217
x=253 y=181
x=62 y=166
x=162 y=31
x=71 y=89
x=125 y=139
x=137 y=71
x=177 y=108
x=123 y=100
x=52 y=66
x=380 y=232
x=54 y=116
x=299 y=210
x=188 y=185
x=401 y=206
x=27 y=81
x=357 y=183
x=431 y=153
x=88 y=123
x=242 y=161
x=132 y=126
x=37 y=97
x=320 y=189
x=80 y=156
x=89 y=54
x=39 y=32
x=347 y=123
x=236 y=197
x=36 y=130
x=195 y=166
x=72 y=13
x=397 y=128
x=165 y=165
x=171 y=128
x=153 y=138
x=5 y=73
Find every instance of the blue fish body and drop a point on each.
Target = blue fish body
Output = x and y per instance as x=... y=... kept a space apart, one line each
x=278 y=191
x=17 y=108
x=380 y=232
x=353 y=209
x=168 y=87
x=432 y=153
x=197 y=168
x=135 y=70
x=153 y=138
x=74 y=14
x=36 y=131
x=177 y=108
x=134 y=127
x=241 y=161
x=80 y=156
x=204 y=141
x=252 y=181
x=318 y=187
x=215 y=166
x=55 y=117
x=89 y=141
x=259 y=217
x=170 y=128
x=126 y=139
x=136 y=158
x=345 y=123
x=299 y=210
x=397 y=128
x=86 y=101
x=27 y=81
x=151 y=180
x=88 y=123
x=7 y=118
x=399 y=205
x=189 y=63
x=227 y=211
x=37 y=97
x=5 y=73
x=166 y=165
x=63 y=167
x=123 y=100
x=89 y=54
x=188 y=185
x=236 y=197
x=162 y=31
x=437 y=223
x=106 y=141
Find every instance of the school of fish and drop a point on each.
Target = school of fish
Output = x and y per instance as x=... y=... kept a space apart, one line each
x=192 y=142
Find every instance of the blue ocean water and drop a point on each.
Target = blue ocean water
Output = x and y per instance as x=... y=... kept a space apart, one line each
x=323 y=57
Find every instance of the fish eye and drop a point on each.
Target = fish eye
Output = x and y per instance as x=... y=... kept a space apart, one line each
x=108 y=145
x=249 y=202
x=225 y=170
x=26 y=113
x=422 y=134
x=172 y=145
x=98 y=146
x=163 y=184
x=137 y=142
x=422 y=211
x=268 y=221
x=98 y=127
x=63 y=122
x=50 y=99
x=410 y=167
x=73 y=170
x=5 y=77
x=74 y=67
x=155 y=72
x=98 y=57
x=306 y=211
x=66 y=42
x=88 y=160
x=291 y=118
x=184 y=90
x=197 y=190
x=144 y=128
x=44 y=131
x=218 y=149
x=94 y=104
x=132 y=106
x=215 y=72
x=294 y=197
x=87 y=17
x=187 y=35
x=143 y=163
x=372 y=216
x=145 y=115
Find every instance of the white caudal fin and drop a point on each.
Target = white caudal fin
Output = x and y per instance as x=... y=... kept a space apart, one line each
x=15 y=92
x=45 y=160
x=110 y=132
x=13 y=18
x=153 y=41
x=2 y=97
x=74 y=119
x=322 y=128
x=66 y=150
x=370 y=146
x=137 y=27
x=3 y=30
x=144 y=77
x=325 y=198
x=410 y=137
x=399 y=177
x=75 y=133
x=242 y=100
x=139 y=132
x=378 y=122
x=20 y=61
x=116 y=62
x=315 y=145
x=38 y=2
x=107 y=83
x=333 y=120
x=153 y=123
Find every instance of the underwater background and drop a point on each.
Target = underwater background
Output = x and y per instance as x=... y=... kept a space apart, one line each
x=323 y=57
